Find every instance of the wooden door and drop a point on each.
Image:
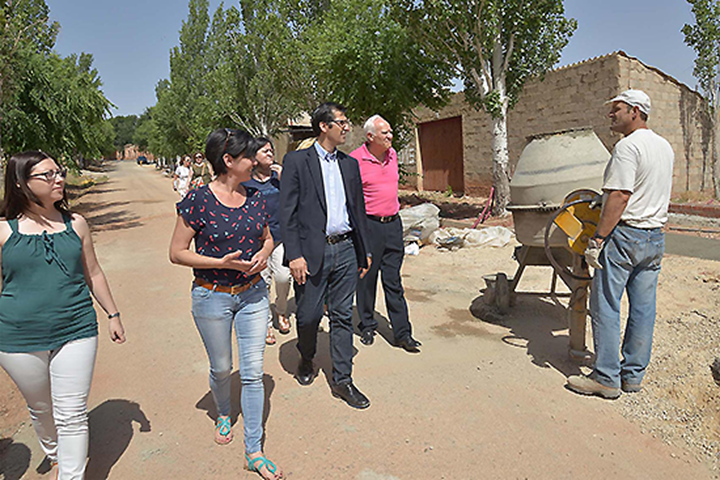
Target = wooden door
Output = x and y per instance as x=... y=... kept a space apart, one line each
x=441 y=149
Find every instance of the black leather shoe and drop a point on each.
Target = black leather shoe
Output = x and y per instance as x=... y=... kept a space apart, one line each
x=305 y=372
x=367 y=337
x=351 y=395
x=409 y=344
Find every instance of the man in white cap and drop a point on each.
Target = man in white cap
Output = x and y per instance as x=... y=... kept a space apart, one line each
x=626 y=249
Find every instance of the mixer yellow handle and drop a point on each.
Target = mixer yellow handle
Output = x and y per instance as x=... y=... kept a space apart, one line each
x=578 y=218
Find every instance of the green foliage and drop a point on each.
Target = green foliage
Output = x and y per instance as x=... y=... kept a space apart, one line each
x=493 y=45
x=704 y=38
x=124 y=127
x=46 y=101
x=364 y=58
x=248 y=48
x=143 y=130
x=260 y=64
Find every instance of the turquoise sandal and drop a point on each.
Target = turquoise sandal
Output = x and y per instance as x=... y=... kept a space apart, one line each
x=224 y=428
x=264 y=462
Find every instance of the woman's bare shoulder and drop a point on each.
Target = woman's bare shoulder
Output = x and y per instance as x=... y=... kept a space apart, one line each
x=79 y=223
x=5 y=230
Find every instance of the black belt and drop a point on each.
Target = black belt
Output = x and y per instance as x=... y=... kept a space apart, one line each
x=333 y=239
x=383 y=219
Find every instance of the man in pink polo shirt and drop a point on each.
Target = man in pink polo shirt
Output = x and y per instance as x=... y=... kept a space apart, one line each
x=379 y=171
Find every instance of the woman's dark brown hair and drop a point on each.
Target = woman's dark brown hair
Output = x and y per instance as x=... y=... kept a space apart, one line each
x=225 y=140
x=18 y=195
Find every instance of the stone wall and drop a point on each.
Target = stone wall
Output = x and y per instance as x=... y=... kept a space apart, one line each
x=574 y=96
x=678 y=115
x=131 y=152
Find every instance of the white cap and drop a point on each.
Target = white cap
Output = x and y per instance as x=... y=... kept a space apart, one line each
x=634 y=98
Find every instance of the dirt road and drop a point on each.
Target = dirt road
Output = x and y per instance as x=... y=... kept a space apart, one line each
x=482 y=401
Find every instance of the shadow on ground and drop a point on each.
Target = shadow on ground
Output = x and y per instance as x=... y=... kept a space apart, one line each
x=14 y=459
x=536 y=324
x=111 y=430
x=290 y=357
x=110 y=434
x=100 y=219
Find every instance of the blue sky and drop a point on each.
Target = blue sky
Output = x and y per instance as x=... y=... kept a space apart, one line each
x=131 y=39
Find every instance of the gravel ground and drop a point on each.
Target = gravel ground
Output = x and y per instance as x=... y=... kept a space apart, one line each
x=680 y=402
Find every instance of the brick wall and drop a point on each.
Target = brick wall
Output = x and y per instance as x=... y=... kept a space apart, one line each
x=574 y=96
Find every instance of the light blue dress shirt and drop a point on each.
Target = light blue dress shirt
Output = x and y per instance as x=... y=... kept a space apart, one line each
x=338 y=221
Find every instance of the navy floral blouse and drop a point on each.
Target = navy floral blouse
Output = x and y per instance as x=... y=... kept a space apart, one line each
x=221 y=230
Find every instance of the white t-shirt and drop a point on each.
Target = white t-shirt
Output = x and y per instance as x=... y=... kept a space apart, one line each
x=184 y=173
x=642 y=163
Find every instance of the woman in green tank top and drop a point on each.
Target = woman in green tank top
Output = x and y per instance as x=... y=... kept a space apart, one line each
x=48 y=326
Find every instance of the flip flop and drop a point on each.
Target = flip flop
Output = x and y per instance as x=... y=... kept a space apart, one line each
x=270 y=338
x=283 y=324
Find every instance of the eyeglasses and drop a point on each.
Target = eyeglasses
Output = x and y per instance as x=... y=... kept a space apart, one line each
x=50 y=175
x=229 y=134
x=341 y=123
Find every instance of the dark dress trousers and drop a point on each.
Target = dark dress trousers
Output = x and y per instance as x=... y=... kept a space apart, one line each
x=388 y=251
x=333 y=267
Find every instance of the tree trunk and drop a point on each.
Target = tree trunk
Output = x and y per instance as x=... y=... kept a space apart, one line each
x=714 y=155
x=501 y=164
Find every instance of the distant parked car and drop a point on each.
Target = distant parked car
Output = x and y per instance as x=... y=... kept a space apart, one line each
x=142 y=160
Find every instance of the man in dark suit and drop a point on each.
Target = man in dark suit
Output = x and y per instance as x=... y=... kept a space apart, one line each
x=323 y=224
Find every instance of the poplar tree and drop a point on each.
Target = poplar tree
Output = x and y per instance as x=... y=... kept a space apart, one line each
x=494 y=47
x=704 y=38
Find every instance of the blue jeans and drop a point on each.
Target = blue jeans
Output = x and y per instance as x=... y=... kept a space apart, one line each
x=215 y=313
x=631 y=262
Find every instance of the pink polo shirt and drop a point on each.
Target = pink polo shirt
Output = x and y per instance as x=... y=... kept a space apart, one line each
x=380 y=181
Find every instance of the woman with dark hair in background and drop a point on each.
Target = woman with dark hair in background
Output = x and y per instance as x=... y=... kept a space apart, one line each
x=229 y=225
x=48 y=326
x=201 y=171
x=266 y=178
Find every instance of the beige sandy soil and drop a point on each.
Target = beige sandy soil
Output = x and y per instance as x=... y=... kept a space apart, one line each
x=482 y=401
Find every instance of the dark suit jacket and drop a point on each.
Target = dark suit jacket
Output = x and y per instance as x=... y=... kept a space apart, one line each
x=303 y=207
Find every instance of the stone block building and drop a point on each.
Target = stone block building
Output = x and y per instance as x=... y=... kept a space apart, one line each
x=453 y=146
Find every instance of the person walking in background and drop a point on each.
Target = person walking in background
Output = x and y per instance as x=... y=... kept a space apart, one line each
x=48 y=326
x=266 y=178
x=627 y=249
x=201 y=171
x=182 y=177
x=229 y=225
x=323 y=226
x=378 y=164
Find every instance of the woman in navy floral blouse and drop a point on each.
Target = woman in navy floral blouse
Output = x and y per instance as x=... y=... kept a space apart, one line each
x=229 y=225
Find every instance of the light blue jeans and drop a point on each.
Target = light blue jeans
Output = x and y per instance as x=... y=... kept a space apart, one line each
x=631 y=262
x=215 y=313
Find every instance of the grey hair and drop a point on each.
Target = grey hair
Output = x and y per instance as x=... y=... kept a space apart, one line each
x=369 y=126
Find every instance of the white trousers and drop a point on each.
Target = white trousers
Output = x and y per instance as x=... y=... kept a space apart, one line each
x=281 y=274
x=55 y=384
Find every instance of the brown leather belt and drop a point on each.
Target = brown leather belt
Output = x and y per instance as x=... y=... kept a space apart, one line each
x=231 y=289
x=333 y=239
x=383 y=219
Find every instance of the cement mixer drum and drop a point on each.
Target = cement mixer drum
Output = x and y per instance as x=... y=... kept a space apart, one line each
x=550 y=167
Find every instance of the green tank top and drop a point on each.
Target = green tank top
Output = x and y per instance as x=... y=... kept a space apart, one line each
x=45 y=301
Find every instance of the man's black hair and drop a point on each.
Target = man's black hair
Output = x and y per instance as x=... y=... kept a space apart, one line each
x=325 y=113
